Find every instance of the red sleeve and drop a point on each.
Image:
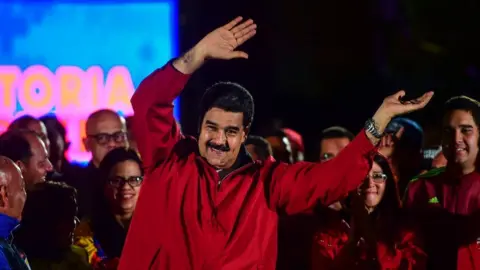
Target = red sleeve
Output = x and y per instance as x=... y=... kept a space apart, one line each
x=298 y=187
x=153 y=122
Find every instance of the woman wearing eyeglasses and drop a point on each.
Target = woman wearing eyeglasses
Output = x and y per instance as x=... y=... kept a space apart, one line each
x=374 y=237
x=103 y=234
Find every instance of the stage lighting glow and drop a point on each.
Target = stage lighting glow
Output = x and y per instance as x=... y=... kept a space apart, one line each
x=72 y=58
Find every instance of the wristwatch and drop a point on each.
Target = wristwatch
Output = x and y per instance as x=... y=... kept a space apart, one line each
x=371 y=127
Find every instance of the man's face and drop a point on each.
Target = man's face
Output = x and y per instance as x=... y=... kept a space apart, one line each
x=329 y=148
x=39 y=128
x=221 y=137
x=460 y=139
x=37 y=167
x=105 y=133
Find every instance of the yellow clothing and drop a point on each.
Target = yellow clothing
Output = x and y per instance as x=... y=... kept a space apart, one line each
x=75 y=259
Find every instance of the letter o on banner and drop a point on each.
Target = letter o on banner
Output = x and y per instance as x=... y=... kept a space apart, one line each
x=37 y=90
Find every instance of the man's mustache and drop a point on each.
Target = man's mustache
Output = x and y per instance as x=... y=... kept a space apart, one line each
x=218 y=147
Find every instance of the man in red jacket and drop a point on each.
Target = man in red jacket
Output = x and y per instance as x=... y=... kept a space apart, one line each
x=445 y=201
x=205 y=204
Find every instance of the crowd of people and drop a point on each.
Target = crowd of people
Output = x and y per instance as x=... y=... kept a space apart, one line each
x=153 y=198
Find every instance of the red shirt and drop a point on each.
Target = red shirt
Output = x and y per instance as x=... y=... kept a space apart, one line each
x=185 y=220
x=447 y=209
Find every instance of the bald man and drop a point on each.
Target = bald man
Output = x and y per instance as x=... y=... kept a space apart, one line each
x=105 y=130
x=29 y=152
x=12 y=200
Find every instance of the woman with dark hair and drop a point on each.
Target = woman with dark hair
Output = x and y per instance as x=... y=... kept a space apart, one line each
x=103 y=235
x=375 y=237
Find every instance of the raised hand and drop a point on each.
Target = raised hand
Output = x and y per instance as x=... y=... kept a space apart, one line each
x=393 y=105
x=221 y=43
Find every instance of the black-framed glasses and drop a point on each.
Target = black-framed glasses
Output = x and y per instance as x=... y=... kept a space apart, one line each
x=133 y=181
x=378 y=177
x=104 y=138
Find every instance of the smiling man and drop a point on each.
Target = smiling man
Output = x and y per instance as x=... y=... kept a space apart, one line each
x=205 y=204
x=439 y=197
x=28 y=151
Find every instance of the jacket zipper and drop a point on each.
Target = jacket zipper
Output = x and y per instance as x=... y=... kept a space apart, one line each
x=219 y=183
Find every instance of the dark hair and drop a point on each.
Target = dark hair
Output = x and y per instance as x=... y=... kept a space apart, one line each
x=336 y=132
x=463 y=103
x=262 y=146
x=53 y=124
x=116 y=156
x=22 y=122
x=388 y=210
x=108 y=232
x=15 y=146
x=48 y=204
x=230 y=97
x=50 y=201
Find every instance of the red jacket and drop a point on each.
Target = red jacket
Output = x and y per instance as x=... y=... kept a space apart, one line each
x=447 y=210
x=330 y=244
x=185 y=220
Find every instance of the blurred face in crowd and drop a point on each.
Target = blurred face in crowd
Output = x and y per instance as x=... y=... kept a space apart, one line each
x=252 y=150
x=329 y=148
x=36 y=169
x=281 y=148
x=123 y=186
x=12 y=188
x=460 y=139
x=373 y=188
x=39 y=128
x=221 y=137
x=105 y=131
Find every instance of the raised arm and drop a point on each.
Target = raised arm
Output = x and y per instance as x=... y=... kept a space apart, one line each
x=154 y=124
x=298 y=187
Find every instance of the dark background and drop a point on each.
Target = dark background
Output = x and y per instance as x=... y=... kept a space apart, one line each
x=315 y=64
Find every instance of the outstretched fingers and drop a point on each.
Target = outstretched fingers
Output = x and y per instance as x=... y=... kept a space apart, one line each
x=420 y=102
x=242 y=26
x=245 y=31
x=247 y=36
x=232 y=23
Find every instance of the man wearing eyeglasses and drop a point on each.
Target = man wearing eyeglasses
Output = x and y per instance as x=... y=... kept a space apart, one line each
x=105 y=131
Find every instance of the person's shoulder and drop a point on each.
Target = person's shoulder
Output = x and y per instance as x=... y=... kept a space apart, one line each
x=429 y=175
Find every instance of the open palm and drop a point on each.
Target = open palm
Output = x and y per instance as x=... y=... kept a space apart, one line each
x=223 y=41
x=394 y=106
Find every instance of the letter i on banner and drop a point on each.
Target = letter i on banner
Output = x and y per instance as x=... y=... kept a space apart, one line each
x=119 y=89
